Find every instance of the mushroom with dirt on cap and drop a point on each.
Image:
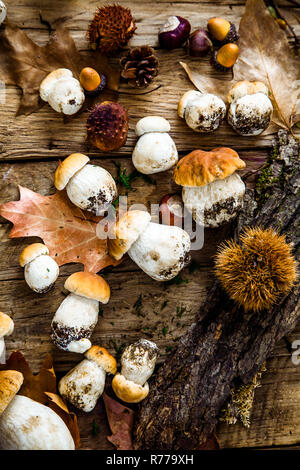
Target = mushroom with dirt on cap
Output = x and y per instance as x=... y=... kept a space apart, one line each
x=212 y=190
x=6 y=329
x=161 y=251
x=89 y=187
x=26 y=424
x=40 y=270
x=155 y=150
x=84 y=384
x=137 y=365
x=77 y=315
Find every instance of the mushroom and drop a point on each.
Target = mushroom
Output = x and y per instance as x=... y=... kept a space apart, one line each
x=26 y=424
x=77 y=315
x=212 y=192
x=89 y=187
x=62 y=92
x=138 y=362
x=250 y=109
x=203 y=112
x=155 y=150
x=3 y=12
x=161 y=251
x=40 y=270
x=84 y=384
x=6 y=329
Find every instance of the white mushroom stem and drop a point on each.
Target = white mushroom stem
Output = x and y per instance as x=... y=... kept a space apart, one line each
x=161 y=251
x=41 y=273
x=154 y=152
x=2 y=351
x=138 y=361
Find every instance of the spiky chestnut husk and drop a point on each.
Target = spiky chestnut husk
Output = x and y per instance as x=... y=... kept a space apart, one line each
x=111 y=29
x=107 y=126
x=258 y=271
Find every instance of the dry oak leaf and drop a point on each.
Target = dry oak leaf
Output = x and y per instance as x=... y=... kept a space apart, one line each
x=120 y=419
x=58 y=405
x=265 y=55
x=26 y=64
x=68 y=232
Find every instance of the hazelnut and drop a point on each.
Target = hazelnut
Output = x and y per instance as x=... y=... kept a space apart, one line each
x=91 y=81
x=225 y=58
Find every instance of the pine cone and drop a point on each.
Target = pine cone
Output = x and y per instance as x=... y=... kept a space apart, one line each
x=140 y=66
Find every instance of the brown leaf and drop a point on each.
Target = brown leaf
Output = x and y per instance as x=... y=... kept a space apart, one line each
x=25 y=64
x=58 y=405
x=68 y=232
x=212 y=443
x=120 y=419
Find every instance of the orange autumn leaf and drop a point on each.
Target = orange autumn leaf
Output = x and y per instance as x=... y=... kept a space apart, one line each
x=58 y=405
x=68 y=232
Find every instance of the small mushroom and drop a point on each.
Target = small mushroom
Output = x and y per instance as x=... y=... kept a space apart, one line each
x=155 y=150
x=250 y=109
x=62 y=92
x=40 y=270
x=212 y=192
x=89 y=187
x=138 y=362
x=3 y=12
x=161 y=251
x=77 y=315
x=26 y=424
x=203 y=112
x=84 y=384
x=6 y=329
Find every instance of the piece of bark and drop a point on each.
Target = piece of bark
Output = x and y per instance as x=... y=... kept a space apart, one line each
x=225 y=347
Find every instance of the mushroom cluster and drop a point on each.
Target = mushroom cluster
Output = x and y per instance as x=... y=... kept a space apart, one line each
x=84 y=384
x=62 y=92
x=40 y=270
x=138 y=361
x=161 y=251
x=212 y=190
x=155 y=150
x=89 y=187
x=6 y=329
x=77 y=315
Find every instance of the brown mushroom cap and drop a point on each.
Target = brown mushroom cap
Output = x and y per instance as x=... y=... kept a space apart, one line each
x=129 y=391
x=199 y=168
x=31 y=252
x=244 y=87
x=102 y=358
x=88 y=285
x=10 y=383
x=67 y=169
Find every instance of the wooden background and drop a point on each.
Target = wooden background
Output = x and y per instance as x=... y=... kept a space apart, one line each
x=29 y=150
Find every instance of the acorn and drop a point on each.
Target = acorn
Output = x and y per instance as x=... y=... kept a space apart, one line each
x=107 y=126
x=224 y=58
x=91 y=81
x=222 y=31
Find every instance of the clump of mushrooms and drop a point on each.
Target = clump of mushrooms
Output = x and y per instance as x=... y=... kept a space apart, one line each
x=161 y=251
x=62 y=92
x=26 y=424
x=250 y=109
x=6 y=329
x=84 y=384
x=77 y=315
x=89 y=187
x=3 y=12
x=212 y=190
x=155 y=150
x=40 y=270
x=203 y=112
x=138 y=362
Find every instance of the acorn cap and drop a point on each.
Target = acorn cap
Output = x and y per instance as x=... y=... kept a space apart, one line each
x=31 y=252
x=244 y=88
x=102 y=358
x=152 y=124
x=88 y=285
x=67 y=169
x=199 y=168
x=10 y=383
x=186 y=99
x=129 y=391
x=126 y=231
x=6 y=325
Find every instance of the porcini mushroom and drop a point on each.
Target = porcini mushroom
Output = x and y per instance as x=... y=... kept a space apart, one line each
x=84 y=384
x=77 y=315
x=155 y=150
x=250 y=109
x=3 y=12
x=212 y=192
x=203 y=112
x=40 y=270
x=89 y=187
x=6 y=329
x=26 y=424
x=161 y=251
x=138 y=362
x=62 y=92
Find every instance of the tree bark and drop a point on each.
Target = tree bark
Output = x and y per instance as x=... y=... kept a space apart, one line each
x=225 y=347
